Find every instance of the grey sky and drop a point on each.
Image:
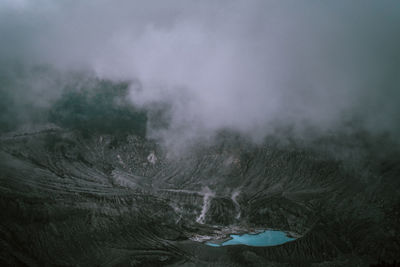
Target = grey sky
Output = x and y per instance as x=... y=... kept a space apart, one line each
x=243 y=65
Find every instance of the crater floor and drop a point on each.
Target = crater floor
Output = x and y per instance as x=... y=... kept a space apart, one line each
x=69 y=199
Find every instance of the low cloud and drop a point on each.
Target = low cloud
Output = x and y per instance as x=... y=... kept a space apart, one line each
x=241 y=65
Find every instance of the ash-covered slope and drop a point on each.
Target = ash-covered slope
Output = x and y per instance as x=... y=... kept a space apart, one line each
x=95 y=199
x=81 y=184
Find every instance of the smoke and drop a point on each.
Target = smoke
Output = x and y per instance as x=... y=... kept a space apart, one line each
x=203 y=66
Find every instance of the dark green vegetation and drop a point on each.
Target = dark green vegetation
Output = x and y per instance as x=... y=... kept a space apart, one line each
x=76 y=102
x=101 y=110
x=89 y=189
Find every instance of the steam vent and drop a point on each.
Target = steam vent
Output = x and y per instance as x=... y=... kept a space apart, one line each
x=199 y=133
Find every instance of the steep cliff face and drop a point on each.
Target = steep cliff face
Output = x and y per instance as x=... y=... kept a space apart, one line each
x=71 y=198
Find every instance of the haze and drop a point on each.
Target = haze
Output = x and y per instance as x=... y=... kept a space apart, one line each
x=247 y=66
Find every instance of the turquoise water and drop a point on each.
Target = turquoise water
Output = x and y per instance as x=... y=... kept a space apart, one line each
x=264 y=239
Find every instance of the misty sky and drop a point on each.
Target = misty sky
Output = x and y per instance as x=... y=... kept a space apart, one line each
x=241 y=65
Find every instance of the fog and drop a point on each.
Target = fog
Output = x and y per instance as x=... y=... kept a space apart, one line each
x=248 y=66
